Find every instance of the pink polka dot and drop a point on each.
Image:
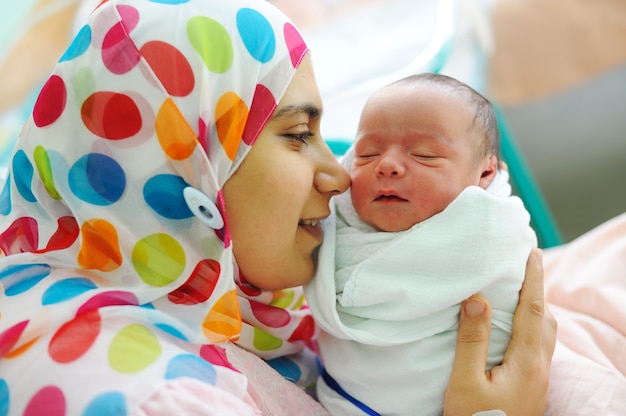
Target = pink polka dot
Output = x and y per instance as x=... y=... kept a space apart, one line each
x=112 y=298
x=20 y=237
x=305 y=330
x=119 y=52
x=295 y=44
x=199 y=287
x=10 y=337
x=215 y=355
x=203 y=135
x=48 y=401
x=111 y=115
x=269 y=315
x=170 y=66
x=50 y=102
x=224 y=233
x=75 y=337
x=263 y=105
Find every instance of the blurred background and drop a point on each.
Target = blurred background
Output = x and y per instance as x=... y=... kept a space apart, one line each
x=556 y=70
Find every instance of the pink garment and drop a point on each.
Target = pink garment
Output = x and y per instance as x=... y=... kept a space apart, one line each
x=586 y=290
x=268 y=394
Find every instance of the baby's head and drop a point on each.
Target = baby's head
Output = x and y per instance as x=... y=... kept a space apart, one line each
x=421 y=141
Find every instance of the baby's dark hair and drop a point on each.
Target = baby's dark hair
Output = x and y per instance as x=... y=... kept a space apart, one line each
x=484 y=113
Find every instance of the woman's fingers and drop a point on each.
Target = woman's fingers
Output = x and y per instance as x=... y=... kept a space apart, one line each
x=534 y=328
x=472 y=341
x=519 y=386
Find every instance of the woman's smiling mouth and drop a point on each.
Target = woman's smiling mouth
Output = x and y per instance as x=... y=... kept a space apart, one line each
x=313 y=228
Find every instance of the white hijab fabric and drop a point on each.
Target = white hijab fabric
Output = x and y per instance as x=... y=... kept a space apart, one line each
x=118 y=272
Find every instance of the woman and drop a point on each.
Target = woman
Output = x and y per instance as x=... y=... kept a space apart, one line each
x=134 y=187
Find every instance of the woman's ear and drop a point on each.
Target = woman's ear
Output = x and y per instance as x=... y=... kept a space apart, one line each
x=489 y=170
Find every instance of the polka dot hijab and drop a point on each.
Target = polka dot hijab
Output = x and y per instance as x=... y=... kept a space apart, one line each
x=117 y=271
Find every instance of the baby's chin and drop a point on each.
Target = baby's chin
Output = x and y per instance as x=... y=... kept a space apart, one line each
x=393 y=224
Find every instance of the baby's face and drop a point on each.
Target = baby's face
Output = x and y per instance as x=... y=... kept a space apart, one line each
x=413 y=156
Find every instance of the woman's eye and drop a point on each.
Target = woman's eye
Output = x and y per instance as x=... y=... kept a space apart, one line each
x=301 y=137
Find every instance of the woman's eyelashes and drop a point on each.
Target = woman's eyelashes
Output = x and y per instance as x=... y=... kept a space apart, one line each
x=300 y=137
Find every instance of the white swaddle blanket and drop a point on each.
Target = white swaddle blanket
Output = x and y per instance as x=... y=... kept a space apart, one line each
x=388 y=303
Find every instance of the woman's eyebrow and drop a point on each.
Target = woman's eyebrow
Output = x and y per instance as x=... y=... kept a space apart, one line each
x=295 y=109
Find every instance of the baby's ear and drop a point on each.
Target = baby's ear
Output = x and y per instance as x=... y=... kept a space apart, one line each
x=489 y=170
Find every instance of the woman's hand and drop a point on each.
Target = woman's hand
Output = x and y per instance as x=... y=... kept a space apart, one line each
x=519 y=386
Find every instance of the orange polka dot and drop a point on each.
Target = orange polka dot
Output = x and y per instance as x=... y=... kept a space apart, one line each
x=175 y=135
x=100 y=247
x=22 y=349
x=231 y=114
x=223 y=322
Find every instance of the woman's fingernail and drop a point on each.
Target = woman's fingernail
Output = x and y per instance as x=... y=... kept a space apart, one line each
x=474 y=307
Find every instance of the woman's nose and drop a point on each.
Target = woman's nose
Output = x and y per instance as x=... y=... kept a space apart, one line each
x=390 y=164
x=331 y=177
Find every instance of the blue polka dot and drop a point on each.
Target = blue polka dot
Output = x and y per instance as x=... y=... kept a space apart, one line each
x=66 y=289
x=170 y=1
x=23 y=172
x=172 y=331
x=257 y=34
x=20 y=278
x=286 y=368
x=111 y=403
x=187 y=365
x=5 y=197
x=4 y=398
x=97 y=179
x=79 y=44
x=164 y=194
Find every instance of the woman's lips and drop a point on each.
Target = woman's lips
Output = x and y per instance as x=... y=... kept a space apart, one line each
x=313 y=228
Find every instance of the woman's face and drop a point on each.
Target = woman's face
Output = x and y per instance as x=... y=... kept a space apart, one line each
x=282 y=189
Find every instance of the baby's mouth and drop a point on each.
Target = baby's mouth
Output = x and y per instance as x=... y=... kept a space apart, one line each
x=389 y=198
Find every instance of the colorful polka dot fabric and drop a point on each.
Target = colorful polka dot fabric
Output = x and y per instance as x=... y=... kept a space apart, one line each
x=117 y=271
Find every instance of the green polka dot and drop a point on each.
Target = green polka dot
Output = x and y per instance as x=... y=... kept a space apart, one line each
x=285 y=299
x=300 y=302
x=42 y=161
x=83 y=84
x=266 y=342
x=212 y=42
x=158 y=259
x=133 y=348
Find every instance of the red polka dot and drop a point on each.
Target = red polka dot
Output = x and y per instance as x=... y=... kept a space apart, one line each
x=48 y=401
x=20 y=237
x=50 y=102
x=270 y=315
x=112 y=298
x=199 y=287
x=246 y=288
x=263 y=105
x=111 y=115
x=295 y=44
x=170 y=66
x=10 y=337
x=305 y=330
x=65 y=235
x=75 y=337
